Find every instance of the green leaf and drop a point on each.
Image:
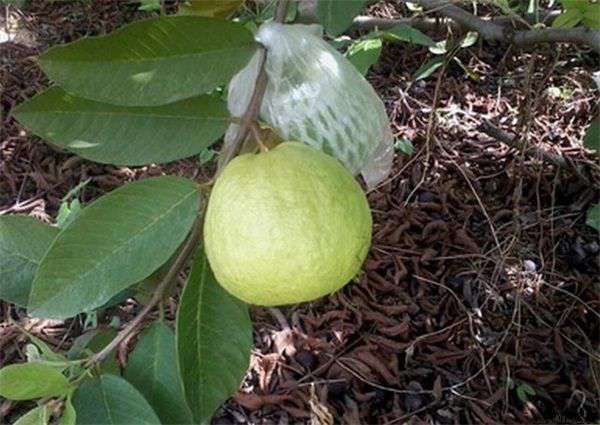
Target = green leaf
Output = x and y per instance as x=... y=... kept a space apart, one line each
x=148 y=5
x=26 y=381
x=214 y=338
x=409 y=34
x=439 y=48
x=152 y=369
x=37 y=416
x=152 y=62
x=523 y=390
x=469 y=39
x=110 y=399
x=46 y=353
x=593 y=217
x=568 y=19
x=428 y=68
x=581 y=5
x=67 y=212
x=23 y=242
x=69 y=416
x=364 y=53
x=336 y=16
x=123 y=135
x=405 y=146
x=116 y=241
x=205 y=156
x=592 y=136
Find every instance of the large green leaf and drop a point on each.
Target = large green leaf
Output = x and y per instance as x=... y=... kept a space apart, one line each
x=336 y=15
x=125 y=135
x=152 y=369
x=116 y=241
x=110 y=399
x=26 y=381
x=214 y=337
x=152 y=62
x=23 y=242
x=37 y=416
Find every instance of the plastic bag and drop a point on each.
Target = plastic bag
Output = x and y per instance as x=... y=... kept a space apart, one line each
x=314 y=95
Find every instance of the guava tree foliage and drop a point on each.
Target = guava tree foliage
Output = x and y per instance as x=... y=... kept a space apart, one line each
x=150 y=92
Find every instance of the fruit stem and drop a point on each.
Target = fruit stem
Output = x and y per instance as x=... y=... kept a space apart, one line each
x=256 y=134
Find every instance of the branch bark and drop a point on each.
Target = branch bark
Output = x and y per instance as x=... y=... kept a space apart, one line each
x=253 y=109
x=366 y=23
x=494 y=32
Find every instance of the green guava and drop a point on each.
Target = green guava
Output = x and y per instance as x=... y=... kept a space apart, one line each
x=286 y=226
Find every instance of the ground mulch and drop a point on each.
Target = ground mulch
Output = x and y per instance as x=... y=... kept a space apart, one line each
x=480 y=298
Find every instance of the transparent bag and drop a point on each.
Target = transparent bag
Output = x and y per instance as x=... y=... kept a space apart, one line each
x=316 y=96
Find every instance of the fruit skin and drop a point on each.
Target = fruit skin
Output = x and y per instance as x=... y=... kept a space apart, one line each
x=286 y=226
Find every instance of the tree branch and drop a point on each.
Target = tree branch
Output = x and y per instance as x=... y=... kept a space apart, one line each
x=179 y=263
x=494 y=132
x=513 y=141
x=253 y=109
x=495 y=32
x=427 y=24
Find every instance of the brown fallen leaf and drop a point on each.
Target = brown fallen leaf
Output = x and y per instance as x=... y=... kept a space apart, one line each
x=253 y=401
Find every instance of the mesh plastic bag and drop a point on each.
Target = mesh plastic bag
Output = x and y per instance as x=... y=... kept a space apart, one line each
x=314 y=95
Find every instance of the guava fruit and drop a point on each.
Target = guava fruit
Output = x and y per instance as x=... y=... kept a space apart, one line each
x=286 y=226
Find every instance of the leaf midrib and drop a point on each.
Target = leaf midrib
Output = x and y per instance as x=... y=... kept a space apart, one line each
x=128 y=114
x=164 y=58
x=108 y=411
x=199 y=348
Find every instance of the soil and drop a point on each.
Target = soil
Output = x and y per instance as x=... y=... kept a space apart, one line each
x=480 y=298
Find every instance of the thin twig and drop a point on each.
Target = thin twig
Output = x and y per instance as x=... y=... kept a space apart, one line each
x=495 y=32
x=180 y=262
x=431 y=126
x=514 y=142
x=411 y=414
x=375 y=384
